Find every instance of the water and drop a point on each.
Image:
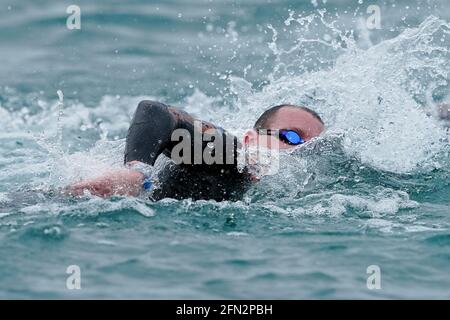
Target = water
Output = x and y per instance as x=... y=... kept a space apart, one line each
x=374 y=190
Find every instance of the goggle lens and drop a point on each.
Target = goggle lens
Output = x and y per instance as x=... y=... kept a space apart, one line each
x=291 y=137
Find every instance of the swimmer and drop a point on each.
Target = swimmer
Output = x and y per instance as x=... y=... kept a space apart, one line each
x=151 y=135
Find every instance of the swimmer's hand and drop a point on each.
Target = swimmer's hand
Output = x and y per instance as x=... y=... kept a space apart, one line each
x=121 y=182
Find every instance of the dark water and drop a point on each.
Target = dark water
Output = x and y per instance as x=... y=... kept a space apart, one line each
x=373 y=191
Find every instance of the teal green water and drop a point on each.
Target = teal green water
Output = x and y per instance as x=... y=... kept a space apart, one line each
x=374 y=190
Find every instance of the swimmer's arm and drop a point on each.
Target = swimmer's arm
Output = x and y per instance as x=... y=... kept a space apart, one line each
x=150 y=132
x=149 y=135
x=121 y=182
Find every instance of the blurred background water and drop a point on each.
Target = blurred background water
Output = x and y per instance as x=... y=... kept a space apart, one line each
x=374 y=190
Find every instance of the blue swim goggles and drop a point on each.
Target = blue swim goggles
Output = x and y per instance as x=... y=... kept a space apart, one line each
x=290 y=137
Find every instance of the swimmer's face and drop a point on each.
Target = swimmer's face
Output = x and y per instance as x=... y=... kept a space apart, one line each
x=307 y=125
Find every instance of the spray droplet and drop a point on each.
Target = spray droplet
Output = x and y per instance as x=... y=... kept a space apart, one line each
x=60 y=96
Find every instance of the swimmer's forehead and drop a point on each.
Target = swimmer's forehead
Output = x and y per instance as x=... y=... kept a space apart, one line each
x=296 y=119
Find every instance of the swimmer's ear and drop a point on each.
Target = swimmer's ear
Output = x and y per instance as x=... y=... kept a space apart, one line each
x=250 y=138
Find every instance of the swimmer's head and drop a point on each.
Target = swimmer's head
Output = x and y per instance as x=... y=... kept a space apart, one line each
x=285 y=126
